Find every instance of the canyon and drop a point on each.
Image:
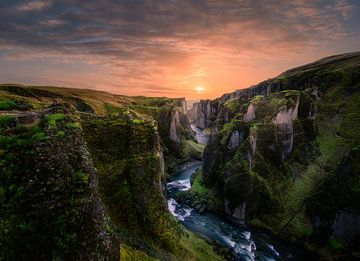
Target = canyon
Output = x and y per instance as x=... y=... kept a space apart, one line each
x=89 y=175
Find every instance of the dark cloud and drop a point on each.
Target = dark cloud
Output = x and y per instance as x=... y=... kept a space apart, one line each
x=130 y=28
x=141 y=36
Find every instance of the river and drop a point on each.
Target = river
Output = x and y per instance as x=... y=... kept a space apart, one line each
x=243 y=242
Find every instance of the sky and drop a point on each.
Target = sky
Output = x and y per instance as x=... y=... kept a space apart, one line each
x=177 y=48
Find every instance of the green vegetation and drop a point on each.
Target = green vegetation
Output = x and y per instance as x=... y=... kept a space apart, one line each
x=61 y=134
x=257 y=99
x=73 y=125
x=7 y=105
x=123 y=141
x=125 y=153
x=137 y=121
x=232 y=105
x=53 y=118
x=128 y=253
x=337 y=245
x=5 y=120
x=287 y=175
x=192 y=149
x=23 y=235
x=198 y=248
x=200 y=197
x=198 y=187
x=299 y=185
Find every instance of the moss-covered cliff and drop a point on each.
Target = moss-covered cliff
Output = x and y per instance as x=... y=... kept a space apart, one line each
x=50 y=205
x=283 y=154
x=82 y=176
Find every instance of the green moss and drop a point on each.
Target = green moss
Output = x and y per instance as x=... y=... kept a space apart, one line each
x=198 y=248
x=40 y=136
x=276 y=103
x=73 y=125
x=128 y=253
x=337 y=244
x=225 y=131
x=53 y=118
x=5 y=120
x=257 y=99
x=61 y=134
x=232 y=105
x=137 y=121
x=199 y=194
x=110 y=108
x=155 y=101
x=192 y=149
x=198 y=187
x=128 y=165
x=45 y=195
x=7 y=104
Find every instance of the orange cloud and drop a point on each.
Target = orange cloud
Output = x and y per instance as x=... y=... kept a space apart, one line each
x=167 y=48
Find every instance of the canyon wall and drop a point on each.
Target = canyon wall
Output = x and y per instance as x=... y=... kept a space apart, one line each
x=83 y=174
x=281 y=152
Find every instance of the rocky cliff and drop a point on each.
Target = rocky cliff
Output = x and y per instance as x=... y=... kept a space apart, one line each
x=83 y=173
x=283 y=154
x=50 y=203
x=173 y=126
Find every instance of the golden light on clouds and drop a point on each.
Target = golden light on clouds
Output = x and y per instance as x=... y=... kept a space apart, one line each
x=193 y=49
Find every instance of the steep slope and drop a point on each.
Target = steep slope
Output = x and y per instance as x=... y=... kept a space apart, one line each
x=82 y=176
x=50 y=205
x=283 y=154
x=170 y=114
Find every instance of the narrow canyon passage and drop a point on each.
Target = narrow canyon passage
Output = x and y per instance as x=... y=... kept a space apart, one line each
x=244 y=243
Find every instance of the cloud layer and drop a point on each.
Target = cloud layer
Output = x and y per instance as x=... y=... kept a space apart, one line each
x=167 y=47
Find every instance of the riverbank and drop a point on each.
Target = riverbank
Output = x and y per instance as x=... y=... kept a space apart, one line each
x=243 y=243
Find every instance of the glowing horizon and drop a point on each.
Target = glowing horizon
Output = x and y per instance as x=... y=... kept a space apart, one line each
x=169 y=48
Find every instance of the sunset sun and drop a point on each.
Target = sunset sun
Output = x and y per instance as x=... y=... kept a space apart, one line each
x=199 y=88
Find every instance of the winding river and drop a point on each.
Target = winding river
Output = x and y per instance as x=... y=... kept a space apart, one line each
x=243 y=242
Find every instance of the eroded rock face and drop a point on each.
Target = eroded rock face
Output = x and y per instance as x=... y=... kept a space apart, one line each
x=338 y=216
x=250 y=114
x=252 y=143
x=347 y=226
x=79 y=176
x=57 y=211
x=235 y=139
x=174 y=128
x=238 y=213
x=130 y=167
x=296 y=128
x=204 y=112
x=174 y=125
x=78 y=182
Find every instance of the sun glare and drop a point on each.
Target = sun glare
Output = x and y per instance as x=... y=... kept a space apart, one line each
x=199 y=88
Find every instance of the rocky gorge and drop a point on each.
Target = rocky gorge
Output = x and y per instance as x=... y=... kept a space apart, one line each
x=87 y=175
x=282 y=155
x=83 y=172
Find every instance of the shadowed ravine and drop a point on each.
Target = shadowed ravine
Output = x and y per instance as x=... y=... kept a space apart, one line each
x=246 y=244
